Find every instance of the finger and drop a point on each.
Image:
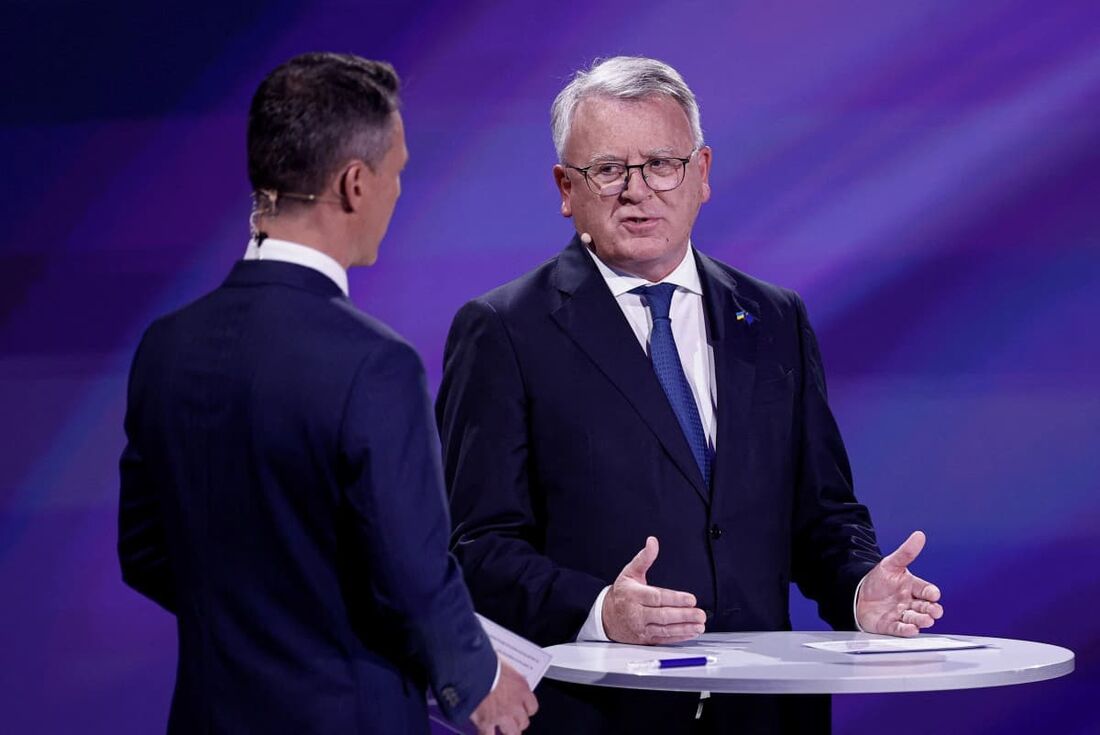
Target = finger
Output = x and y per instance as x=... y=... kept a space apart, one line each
x=932 y=609
x=661 y=640
x=902 y=630
x=649 y=596
x=523 y=721
x=904 y=555
x=530 y=704
x=673 y=615
x=924 y=590
x=921 y=620
x=508 y=727
x=637 y=567
x=685 y=631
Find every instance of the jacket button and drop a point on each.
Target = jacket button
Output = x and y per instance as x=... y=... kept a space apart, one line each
x=715 y=532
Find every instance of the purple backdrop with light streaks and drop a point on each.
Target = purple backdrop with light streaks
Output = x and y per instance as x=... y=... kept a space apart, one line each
x=925 y=174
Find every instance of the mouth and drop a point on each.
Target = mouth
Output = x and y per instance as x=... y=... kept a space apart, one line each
x=639 y=225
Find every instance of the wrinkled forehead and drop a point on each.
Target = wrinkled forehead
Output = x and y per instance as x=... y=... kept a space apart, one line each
x=610 y=127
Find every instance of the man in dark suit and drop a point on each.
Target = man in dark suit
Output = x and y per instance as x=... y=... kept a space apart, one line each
x=632 y=390
x=281 y=490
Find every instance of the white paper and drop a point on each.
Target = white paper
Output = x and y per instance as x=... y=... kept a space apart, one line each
x=889 y=644
x=523 y=655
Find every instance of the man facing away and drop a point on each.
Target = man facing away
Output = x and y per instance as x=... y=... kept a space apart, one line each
x=281 y=491
x=633 y=391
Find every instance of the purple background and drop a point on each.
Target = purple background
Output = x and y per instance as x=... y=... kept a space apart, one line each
x=925 y=174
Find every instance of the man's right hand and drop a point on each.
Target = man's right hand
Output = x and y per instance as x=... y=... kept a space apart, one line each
x=508 y=708
x=635 y=612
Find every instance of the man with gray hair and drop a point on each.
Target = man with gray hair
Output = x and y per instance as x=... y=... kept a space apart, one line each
x=633 y=391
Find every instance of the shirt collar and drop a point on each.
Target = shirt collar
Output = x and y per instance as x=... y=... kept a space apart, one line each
x=685 y=275
x=303 y=255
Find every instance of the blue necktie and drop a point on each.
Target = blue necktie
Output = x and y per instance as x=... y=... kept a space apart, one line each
x=670 y=373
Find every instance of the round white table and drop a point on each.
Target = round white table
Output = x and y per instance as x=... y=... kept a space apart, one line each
x=780 y=663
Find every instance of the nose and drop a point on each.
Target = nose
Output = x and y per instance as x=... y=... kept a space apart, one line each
x=635 y=189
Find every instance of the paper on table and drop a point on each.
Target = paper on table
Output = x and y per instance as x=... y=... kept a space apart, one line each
x=888 y=644
x=520 y=653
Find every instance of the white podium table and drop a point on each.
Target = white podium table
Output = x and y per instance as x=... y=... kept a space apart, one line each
x=779 y=663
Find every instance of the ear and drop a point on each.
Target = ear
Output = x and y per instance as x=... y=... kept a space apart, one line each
x=353 y=185
x=565 y=188
x=705 y=156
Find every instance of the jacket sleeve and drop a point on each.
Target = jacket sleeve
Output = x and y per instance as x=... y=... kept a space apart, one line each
x=483 y=417
x=142 y=547
x=834 y=542
x=394 y=493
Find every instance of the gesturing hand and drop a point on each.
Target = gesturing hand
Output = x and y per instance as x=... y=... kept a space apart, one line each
x=895 y=602
x=635 y=612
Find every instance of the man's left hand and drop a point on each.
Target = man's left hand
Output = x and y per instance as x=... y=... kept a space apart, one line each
x=893 y=601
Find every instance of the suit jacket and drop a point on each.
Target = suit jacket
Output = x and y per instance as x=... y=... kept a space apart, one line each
x=562 y=453
x=281 y=494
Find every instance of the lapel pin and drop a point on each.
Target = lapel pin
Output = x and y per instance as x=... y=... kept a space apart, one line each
x=744 y=316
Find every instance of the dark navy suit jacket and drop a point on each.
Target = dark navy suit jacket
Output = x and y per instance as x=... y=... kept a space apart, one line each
x=281 y=494
x=562 y=453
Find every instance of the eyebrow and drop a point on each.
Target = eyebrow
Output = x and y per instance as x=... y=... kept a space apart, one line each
x=655 y=153
x=601 y=157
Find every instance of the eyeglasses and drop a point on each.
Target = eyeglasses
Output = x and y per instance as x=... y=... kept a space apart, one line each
x=610 y=178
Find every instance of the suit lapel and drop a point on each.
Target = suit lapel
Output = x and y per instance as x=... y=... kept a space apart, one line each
x=592 y=318
x=735 y=342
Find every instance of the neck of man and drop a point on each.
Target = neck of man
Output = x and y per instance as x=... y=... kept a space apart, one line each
x=312 y=231
x=651 y=270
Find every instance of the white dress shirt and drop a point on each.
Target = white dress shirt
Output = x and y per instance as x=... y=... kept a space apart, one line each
x=292 y=252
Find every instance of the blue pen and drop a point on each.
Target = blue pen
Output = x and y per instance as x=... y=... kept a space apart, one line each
x=658 y=664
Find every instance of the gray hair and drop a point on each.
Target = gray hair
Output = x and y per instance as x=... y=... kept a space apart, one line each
x=622 y=77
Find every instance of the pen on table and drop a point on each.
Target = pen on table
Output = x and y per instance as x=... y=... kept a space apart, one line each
x=657 y=664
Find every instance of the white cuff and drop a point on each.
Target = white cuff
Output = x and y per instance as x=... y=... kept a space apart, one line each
x=496 y=677
x=592 y=630
x=855 y=615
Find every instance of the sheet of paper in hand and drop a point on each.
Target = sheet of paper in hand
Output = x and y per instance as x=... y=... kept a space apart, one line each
x=520 y=653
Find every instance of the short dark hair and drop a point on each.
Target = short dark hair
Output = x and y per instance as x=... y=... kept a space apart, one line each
x=313 y=113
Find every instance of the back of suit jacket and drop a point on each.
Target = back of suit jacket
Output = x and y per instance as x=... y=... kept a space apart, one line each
x=282 y=495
